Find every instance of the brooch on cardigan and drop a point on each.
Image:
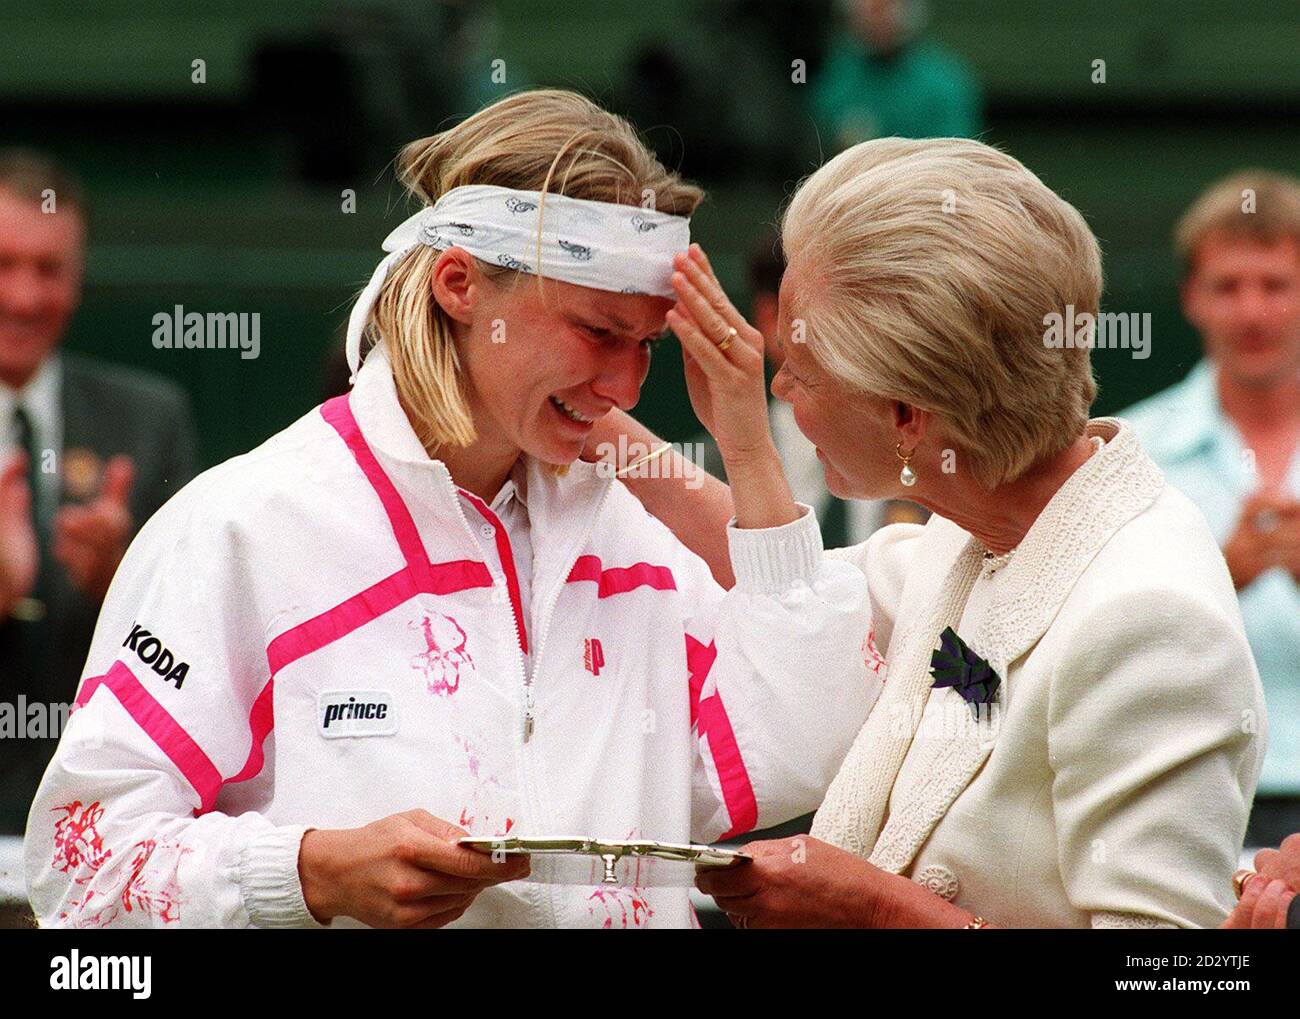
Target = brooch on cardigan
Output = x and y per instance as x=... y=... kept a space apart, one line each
x=954 y=664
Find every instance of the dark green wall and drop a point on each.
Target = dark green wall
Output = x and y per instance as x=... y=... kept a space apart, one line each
x=199 y=202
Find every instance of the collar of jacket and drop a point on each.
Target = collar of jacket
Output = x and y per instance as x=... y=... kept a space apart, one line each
x=1110 y=489
x=561 y=509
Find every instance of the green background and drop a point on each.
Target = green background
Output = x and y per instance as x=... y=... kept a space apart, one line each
x=196 y=200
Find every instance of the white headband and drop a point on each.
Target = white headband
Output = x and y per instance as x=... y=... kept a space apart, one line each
x=603 y=245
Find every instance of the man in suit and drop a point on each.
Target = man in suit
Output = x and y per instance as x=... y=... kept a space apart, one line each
x=87 y=453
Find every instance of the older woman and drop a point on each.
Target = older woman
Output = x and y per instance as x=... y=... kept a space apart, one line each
x=1071 y=724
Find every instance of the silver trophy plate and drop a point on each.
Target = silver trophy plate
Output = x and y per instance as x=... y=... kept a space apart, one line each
x=611 y=852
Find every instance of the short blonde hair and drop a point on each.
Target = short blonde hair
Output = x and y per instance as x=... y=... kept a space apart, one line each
x=545 y=140
x=1255 y=204
x=923 y=272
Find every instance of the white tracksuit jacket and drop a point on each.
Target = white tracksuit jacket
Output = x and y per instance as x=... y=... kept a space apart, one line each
x=308 y=636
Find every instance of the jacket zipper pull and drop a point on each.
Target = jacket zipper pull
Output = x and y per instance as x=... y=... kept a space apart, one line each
x=529 y=720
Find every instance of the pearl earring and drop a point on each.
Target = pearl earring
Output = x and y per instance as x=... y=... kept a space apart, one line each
x=907 y=476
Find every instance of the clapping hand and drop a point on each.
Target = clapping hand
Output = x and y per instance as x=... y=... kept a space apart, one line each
x=19 y=552
x=1267 y=534
x=89 y=541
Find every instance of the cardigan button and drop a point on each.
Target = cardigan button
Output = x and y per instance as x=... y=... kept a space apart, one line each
x=940 y=880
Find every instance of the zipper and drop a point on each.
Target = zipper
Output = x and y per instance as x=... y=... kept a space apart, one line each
x=539 y=641
x=541 y=895
x=526 y=677
x=516 y=617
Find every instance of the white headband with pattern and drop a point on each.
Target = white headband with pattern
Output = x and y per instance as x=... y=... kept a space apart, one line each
x=623 y=248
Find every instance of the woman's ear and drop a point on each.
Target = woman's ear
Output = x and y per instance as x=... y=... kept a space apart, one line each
x=456 y=283
x=911 y=423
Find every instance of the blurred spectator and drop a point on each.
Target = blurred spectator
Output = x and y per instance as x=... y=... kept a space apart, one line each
x=343 y=90
x=843 y=521
x=731 y=89
x=1228 y=436
x=881 y=79
x=87 y=452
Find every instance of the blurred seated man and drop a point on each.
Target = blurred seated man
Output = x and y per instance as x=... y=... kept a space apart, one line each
x=87 y=453
x=1228 y=436
x=882 y=79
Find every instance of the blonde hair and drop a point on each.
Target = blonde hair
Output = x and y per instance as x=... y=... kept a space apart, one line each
x=1222 y=209
x=923 y=271
x=545 y=140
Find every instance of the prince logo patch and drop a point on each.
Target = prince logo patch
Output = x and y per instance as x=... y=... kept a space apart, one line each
x=342 y=713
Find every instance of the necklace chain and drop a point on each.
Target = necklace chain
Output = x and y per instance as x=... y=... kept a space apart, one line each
x=994 y=561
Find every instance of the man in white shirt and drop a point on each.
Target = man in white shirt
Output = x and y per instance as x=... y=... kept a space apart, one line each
x=1228 y=436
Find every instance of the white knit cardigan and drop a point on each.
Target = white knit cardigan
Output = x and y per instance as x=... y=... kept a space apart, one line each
x=1111 y=782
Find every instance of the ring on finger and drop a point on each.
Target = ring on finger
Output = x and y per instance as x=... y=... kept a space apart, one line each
x=1240 y=879
x=725 y=342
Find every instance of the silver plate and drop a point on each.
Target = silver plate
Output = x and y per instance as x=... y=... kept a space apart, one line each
x=611 y=851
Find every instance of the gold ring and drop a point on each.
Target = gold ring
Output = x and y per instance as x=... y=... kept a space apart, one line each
x=1240 y=879
x=725 y=342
